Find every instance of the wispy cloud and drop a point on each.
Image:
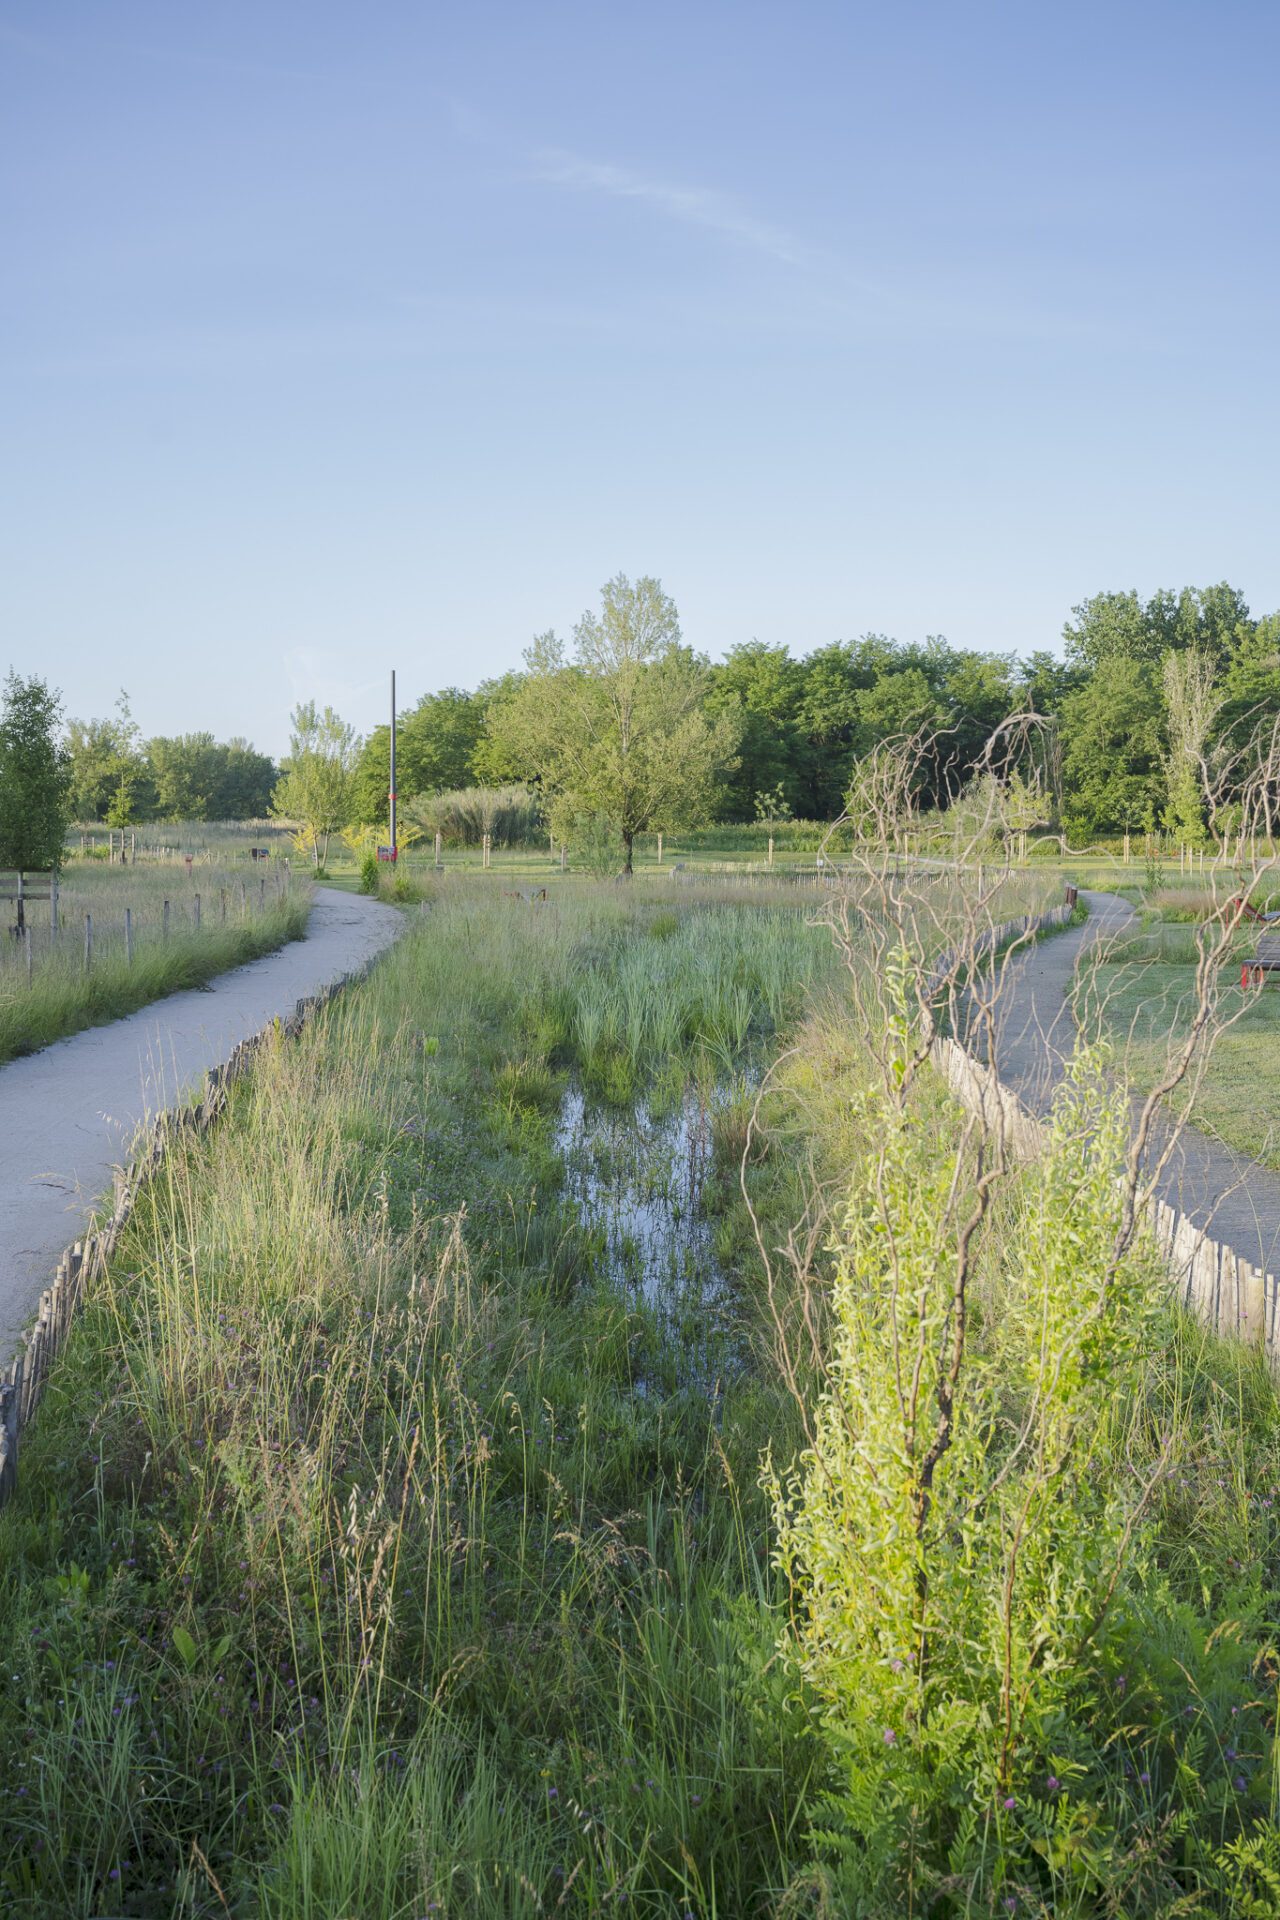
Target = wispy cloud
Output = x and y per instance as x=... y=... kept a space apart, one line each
x=692 y=206
x=924 y=299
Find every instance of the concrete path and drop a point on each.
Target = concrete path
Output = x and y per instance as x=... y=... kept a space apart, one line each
x=68 y=1113
x=1235 y=1197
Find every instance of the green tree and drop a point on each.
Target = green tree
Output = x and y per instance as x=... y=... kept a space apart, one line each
x=1113 y=749
x=316 y=782
x=245 y=783
x=35 y=778
x=435 y=745
x=495 y=761
x=1120 y=625
x=1046 y=682
x=828 y=718
x=761 y=686
x=1251 y=683
x=185 y=771
x=1191 y=700
x=622 y=729
x=109 y=776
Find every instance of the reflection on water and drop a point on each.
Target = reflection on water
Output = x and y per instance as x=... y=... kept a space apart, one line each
x=638 y=1180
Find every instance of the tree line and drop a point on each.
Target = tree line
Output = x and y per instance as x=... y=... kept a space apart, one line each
x=119 y=778
x=627 y=722
x=1146 y=695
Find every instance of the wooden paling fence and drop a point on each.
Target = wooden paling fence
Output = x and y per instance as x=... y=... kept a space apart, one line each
x=996 y=937
x=22 y=1384
x=1226 y=1292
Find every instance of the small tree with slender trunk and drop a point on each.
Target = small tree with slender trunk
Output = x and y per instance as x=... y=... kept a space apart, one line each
x=317 y=787
x=35 y=779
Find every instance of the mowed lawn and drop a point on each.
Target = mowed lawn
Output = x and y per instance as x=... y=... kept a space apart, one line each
x=1148 y=1009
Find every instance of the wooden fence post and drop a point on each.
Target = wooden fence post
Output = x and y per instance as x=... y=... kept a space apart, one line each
x=486 y=846
x=165 y=920
x=659 y=849
x=770 y=849
x=439 y=856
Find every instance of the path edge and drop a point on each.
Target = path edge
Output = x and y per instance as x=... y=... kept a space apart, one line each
x=22 y=1382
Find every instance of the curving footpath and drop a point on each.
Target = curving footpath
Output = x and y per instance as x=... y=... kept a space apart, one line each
x=1237 y=1200
x=68 y=1113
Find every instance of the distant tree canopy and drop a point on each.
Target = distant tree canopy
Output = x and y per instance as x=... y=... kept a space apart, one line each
x=801 y=722
x=118 y=778
x=1122 y=757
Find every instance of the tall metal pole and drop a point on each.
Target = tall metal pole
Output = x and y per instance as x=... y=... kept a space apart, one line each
x=393 y=765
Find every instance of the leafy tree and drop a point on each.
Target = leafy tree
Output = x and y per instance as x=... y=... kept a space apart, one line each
x=495 y=761
x=1046 y=682
x=772 y=808
x=761 y=687
x=1113 y=751
x=1111 y=626
x=246 y=781
x=622 y=729
x=435 y=744
x=316 y=784
x=109 y=775
x=1251 y=683
x=980 y=691
x=828 y=717
x=129 y=767
x=1191 y=701
x=186 y=772
x=1120 y=625
x=35 y=778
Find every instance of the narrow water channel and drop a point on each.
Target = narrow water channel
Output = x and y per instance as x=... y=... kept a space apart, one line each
x=638 y=1179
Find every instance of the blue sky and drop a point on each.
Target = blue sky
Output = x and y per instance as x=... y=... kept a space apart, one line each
x=337 y=338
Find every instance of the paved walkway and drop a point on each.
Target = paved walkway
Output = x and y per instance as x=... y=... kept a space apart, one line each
x=1235 y=1197
x=68 y=1113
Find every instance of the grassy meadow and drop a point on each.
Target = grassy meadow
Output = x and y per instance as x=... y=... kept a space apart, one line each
x=220 y=914
x=457 y=1500
x=1144 y=994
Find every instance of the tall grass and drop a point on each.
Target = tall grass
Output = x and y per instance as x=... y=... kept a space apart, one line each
x=376 y=1555
x=73 y=984
x=400 y=1576
x=511 y=816
x=216 y=842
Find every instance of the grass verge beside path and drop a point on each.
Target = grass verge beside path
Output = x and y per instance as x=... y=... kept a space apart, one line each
x=1148 y=1005
x=1141 y=993
x=64 y=997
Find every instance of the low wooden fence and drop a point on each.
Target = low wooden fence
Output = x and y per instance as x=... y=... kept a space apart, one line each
x=22 y=1384
x=1024 y=927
